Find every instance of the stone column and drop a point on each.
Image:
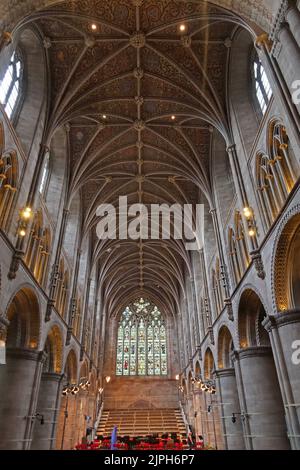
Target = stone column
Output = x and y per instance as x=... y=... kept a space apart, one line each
x=19 y=382
x=73 y=305
x=263 y=411
x=290 y=54
x=48 y=406
x=229 y=401
x=223 y=267
x=284 y=331
x=292 y=17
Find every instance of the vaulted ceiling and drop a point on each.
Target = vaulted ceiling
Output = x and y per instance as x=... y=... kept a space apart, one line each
x=140 y=99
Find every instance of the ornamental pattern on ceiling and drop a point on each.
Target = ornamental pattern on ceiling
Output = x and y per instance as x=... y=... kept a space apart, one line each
x=116 y=88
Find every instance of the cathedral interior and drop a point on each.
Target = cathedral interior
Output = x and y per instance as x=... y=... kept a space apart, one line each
x=187 y=102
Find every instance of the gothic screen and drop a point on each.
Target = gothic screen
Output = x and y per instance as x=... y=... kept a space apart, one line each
x=141 y=344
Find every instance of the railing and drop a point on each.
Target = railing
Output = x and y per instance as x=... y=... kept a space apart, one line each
x=186 y=423
x=96 y=424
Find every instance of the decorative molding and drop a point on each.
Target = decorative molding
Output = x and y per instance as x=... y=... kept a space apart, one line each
x=279 y=258
x=258 y=264
x=138 y=40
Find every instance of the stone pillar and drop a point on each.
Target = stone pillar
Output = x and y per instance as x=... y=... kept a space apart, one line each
x=263 y=411
x=19 y=382
x=292 y=17
x=290 y=54
x=48 y=406
x=229 y=401
x=284 y=331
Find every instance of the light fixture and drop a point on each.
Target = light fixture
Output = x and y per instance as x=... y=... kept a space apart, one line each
x=26 y=213
x=104 y=116
x=22 y=232
x=252 y=232
x=182 y=28
x=108 y=378
x=173 y=117
x=177 y=377
x=247 y=212
x=94 y=26
x=74 y=390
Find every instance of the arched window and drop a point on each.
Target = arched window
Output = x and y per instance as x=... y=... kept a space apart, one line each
x=263 y=88
x=142 y=342
x=10 y=86
x=45 y=174
x=275 y=174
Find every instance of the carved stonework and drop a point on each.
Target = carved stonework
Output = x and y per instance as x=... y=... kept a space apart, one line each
x=4 y=322
x=186 y=41
x=5 y=39
x=258 y=263
x=138 y=40
x=137 y=3
x=15 y=264
x=138 y=73
x=89 y=41
x=139 y=125
x=211 y=334
x=229 y=309
x=46 y=42
x=139 y=100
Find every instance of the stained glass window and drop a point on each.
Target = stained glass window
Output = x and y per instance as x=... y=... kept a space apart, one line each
x=141 y=343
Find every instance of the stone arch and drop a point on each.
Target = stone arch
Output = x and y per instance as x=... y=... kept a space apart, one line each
x=84 y=371
x=209 y=364
x=54 y=348
x=71 y=368
x=251 y=313
x=225 y=347
x=197 y=369
x=285 y=277
x=23 y=313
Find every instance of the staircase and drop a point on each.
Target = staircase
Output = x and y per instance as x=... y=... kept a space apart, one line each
x=141 y=422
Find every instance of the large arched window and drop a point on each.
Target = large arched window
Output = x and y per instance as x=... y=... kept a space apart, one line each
x=10 y=86
x=142 y=342
x=263 y=88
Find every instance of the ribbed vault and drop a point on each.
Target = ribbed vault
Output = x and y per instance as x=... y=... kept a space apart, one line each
x=140 y=101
